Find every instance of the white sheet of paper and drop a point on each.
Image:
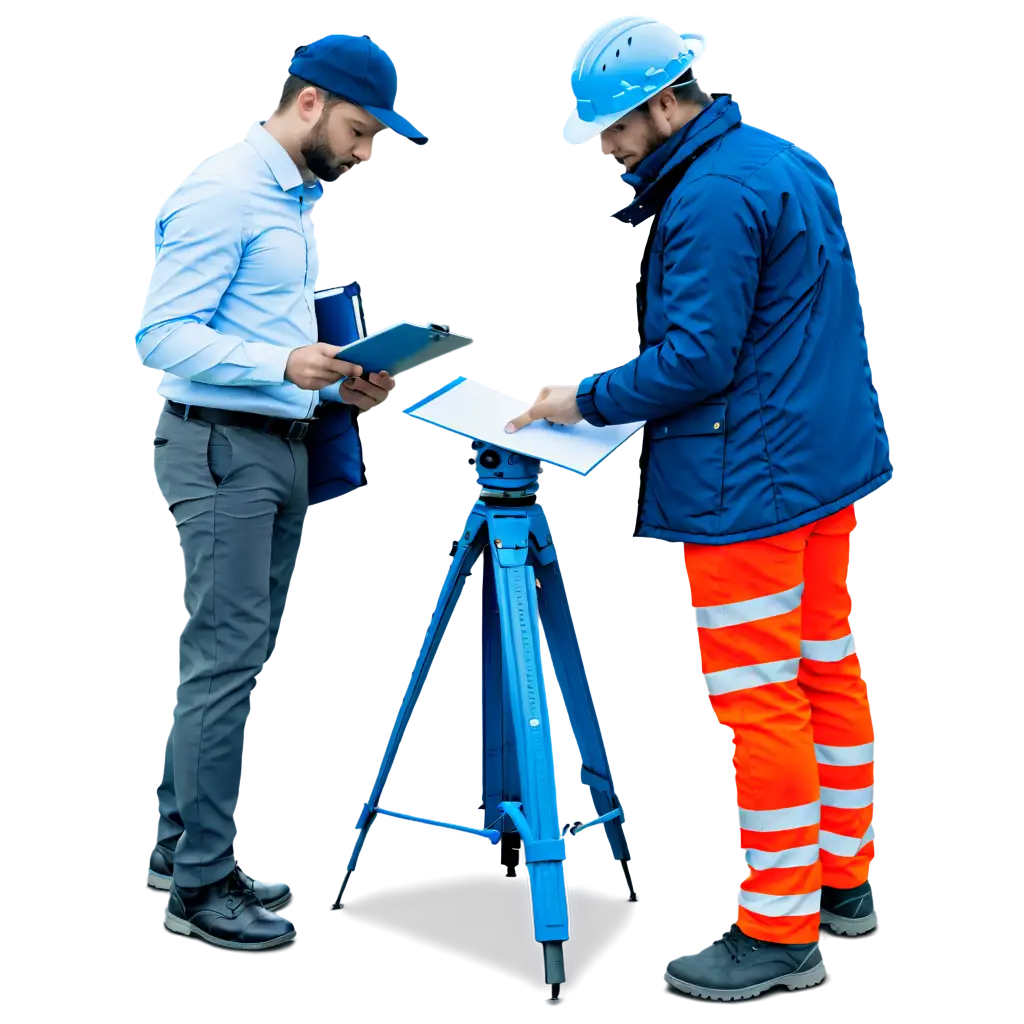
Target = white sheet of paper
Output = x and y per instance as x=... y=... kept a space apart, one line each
x=474 y=410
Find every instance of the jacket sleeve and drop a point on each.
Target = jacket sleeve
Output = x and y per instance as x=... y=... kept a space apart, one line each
x=199 y=245
x=711 y=269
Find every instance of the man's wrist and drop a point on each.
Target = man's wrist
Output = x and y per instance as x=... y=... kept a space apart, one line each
x=585 y=401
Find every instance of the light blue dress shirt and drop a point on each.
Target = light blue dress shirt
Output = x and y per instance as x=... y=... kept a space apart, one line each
x=232 y=290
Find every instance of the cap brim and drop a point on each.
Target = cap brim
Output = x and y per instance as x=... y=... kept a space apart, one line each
x=397 y=123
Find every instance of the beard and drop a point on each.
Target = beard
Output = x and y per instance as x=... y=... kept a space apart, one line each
x=319 y=157
x=650 y=140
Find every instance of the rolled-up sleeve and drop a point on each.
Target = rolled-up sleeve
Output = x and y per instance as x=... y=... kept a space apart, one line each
x=200 y=240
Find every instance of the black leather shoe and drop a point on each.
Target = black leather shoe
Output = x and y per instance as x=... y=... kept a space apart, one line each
x=226 y=913
x=161 y=872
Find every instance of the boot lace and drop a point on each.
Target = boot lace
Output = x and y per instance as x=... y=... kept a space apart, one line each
x=737 y=944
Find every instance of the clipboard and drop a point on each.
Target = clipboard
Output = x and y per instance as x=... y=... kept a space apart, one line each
x=401 y=347
x=475 y=411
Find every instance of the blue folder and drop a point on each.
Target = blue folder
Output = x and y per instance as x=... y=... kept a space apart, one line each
x=333 y=446
x=339 y=314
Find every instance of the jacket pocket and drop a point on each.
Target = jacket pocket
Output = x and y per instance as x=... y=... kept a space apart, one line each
x=686 y=471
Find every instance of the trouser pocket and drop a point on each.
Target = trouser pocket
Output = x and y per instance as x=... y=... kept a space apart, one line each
x=218 y=453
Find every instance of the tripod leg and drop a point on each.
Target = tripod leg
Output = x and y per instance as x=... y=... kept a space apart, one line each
x=538 y=827
x=500 y=772
x=464 y=554
x=565 y=648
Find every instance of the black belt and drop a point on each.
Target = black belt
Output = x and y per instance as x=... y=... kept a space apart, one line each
x=290 y=430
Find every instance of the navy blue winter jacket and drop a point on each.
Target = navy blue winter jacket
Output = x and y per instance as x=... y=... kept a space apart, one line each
x=753 y=371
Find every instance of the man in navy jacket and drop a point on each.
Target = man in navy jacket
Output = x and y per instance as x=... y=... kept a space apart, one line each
x=762 y=429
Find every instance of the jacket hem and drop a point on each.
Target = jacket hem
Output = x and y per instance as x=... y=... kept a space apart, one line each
x=772 y=530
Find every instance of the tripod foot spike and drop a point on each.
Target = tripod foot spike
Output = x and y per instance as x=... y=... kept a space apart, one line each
x=626 y=875
x=554 y=968
x=336 y=901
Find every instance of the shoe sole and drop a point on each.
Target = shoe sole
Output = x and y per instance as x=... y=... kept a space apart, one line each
x=158 y=881
x=182 y=927
x=849 y=925
x=804 y=979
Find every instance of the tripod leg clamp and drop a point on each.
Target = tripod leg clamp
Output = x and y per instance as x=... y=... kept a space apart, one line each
x=544 y=849
x=534 y=850
x=364 y=817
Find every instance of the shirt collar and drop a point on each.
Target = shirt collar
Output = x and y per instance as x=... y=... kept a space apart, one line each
x=281 y=165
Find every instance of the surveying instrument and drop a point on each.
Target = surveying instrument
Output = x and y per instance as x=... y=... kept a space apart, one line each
x=520 y=578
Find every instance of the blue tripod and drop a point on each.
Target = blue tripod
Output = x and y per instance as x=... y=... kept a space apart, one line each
x=521 y=575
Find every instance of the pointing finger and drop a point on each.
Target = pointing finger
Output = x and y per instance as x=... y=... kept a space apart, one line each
x=535 y=412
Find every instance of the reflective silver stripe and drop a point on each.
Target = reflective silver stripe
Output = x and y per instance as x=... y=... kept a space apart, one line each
x=845 y=757
x=765 y=860
x=777 y=821
x=844 y=846
x=781 y=906
x=827 y=650
x=731 y=679
x=847 y=799
x=717 y=616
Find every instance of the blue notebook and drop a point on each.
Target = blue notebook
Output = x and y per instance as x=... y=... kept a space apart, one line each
x=334 y=449
x=339 y=314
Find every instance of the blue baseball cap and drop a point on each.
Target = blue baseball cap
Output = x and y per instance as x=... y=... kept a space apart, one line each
x=358 y=70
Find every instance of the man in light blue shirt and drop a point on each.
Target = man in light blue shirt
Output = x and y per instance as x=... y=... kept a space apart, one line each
x=229 y=319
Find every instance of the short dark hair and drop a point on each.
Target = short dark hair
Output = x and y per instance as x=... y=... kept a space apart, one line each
x=688 y=91
x=294 y=85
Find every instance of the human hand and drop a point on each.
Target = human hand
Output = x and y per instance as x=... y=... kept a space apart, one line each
x=366 y=394
x=312 y=367
x=556 y=404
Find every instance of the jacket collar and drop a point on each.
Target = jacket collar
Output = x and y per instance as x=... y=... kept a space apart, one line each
x=711 y=123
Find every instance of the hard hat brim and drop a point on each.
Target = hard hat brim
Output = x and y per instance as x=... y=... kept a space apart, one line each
x=577 y=131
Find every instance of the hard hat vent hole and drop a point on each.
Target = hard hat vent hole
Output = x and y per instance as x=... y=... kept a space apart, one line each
x=616 y=53
x=629 y=41
x=604 y=67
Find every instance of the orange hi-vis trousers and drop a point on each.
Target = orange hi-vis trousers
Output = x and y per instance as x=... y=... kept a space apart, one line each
x=779 y=660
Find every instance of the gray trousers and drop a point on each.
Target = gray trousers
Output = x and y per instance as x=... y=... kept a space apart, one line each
x=238 y=498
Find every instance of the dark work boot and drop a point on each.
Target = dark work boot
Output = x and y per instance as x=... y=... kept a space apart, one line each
x=226 y=913
x=848 y=911
x=739 y=967
x=161 y=870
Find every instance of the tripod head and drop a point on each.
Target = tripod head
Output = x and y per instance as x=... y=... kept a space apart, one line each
x=506 y=478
